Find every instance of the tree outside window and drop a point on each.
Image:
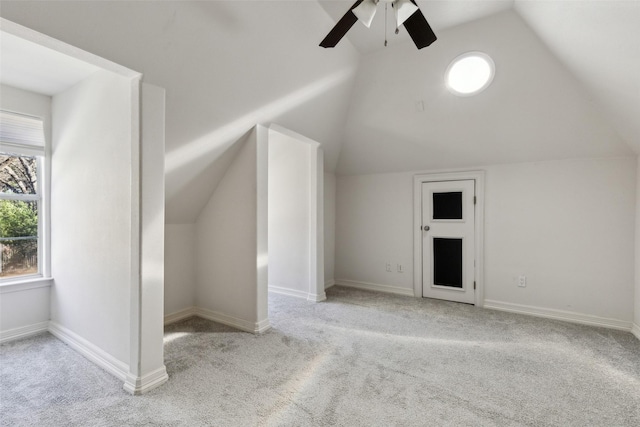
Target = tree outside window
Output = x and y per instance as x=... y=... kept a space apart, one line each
x=19 y=201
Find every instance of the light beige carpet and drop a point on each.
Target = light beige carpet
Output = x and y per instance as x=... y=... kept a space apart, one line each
x=358 y=359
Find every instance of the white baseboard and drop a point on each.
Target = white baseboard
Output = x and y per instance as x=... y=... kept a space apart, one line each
x=317 y=297
x=329 y=283
x=180 y=315
x=90 y=351
x=635 y=330
x=243 y=325
x=23 y=331
x=290 y=292
x=140 y=385
x=298 y=294
x=549 y=313
x=262 y=326
x=375 y=287
x=225 y=319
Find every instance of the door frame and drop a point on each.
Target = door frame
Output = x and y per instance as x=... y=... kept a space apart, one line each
x=418 y=180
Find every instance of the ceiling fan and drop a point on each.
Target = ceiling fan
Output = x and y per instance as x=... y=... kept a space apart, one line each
x=406 y=12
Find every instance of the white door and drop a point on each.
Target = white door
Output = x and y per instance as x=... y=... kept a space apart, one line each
x=448 y=246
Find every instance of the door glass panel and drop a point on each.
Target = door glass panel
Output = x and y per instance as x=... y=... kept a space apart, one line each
x=447 y=262
x=447 y=205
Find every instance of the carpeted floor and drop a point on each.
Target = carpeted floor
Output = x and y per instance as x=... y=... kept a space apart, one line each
x=358 y=359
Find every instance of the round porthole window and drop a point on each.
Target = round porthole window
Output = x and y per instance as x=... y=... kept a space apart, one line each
x=469 y=73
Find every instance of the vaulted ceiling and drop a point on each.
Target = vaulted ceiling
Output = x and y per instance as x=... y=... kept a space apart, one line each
x=566 y=81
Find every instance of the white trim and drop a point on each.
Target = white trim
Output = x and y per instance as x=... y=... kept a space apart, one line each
x=135 y=230
x=262 y=326
x=25 y=284
x=21 y=150
x=329 y=283
x=375 y=287
x=140 y=385
x=550 y=313
x=180 y=315
x=478 y=176
x=21 y=197
x=298 y=294
x=225 y=319
x=317 y=297
x=635 y=330
x=23 y=331
x=290 y=292
x=90 y=351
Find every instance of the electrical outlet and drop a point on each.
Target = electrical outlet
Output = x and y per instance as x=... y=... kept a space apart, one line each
x=400 y=268
x=522 y=281
x=389 y=266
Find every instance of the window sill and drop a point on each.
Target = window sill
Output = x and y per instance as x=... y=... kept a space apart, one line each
x=25 y=284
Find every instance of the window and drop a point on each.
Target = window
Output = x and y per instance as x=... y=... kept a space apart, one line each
x=21 y=163
x=469 y=73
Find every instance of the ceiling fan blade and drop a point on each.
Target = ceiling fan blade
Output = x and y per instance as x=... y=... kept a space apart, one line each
x=341 y=28
x=419 y=29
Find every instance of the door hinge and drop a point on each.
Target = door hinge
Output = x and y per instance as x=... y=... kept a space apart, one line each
x=474 y=200
x=474 y=285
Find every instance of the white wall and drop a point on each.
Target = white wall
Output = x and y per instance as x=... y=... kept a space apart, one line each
x=289 y=214
x=91 y=217
x=636 y=327
x=227 y=245
x=374 y=224
x=179 y=267
x=566 y=225
x=329 y=227
x=23 y=309
x=189 y=48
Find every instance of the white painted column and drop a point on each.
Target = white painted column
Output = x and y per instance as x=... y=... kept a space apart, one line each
x=262 y=222
x=147 y=370
x=636 y=318
x=316 y=225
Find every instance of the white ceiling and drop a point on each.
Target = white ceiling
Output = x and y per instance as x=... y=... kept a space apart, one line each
x=534 y=109
x=566 y=80
x=599 y=42
x=38 y=69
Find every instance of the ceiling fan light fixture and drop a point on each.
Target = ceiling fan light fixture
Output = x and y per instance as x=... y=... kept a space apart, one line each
x=408 y=14
x=403 y=9
x=365 y=11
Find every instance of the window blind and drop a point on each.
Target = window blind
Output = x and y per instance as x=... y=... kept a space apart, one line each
x=17 y=129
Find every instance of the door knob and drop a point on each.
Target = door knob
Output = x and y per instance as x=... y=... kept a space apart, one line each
x=426 y=228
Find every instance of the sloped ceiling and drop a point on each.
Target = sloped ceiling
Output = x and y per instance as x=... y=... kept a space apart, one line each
x=226 y=65
x=599 y=42
x=535 y=109
x=566 y=81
